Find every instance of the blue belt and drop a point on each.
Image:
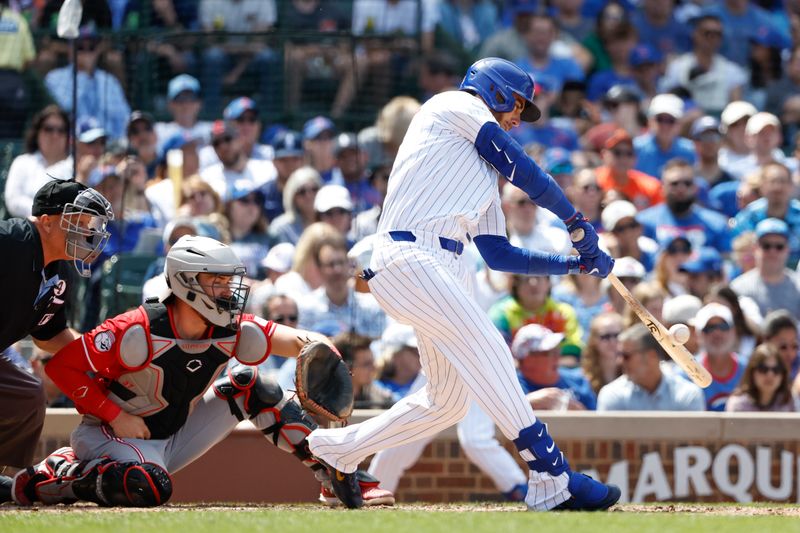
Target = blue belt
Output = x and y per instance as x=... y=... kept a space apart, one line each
x=451 y=245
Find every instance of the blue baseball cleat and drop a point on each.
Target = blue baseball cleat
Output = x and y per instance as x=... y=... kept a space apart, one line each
x=345 y=486
x=588 y=494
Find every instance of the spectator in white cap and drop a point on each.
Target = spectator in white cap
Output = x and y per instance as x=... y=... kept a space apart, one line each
x=298 y=206
x=334 y=206
x=771 y=284
x=644 y=385
x=537 y=351
x=663 y=141
x=623 y=234
x=399 y=360
x=275 y=264
x=530 y=227
x=777 y=201
x=714 y=324
x=732 y=124
x=630 y=272
x=764 y=138
x=712 y=80
x=681 y=310
x=747 y=318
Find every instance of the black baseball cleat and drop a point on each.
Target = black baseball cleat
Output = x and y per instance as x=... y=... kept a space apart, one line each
x=345 y=486
x=6 y=483
x=588 y=494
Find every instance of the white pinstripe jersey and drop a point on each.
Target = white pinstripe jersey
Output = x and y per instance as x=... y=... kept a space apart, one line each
x=439 y=183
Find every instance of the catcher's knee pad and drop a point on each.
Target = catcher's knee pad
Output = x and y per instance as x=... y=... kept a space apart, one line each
x=268 y=407
x=535 y=441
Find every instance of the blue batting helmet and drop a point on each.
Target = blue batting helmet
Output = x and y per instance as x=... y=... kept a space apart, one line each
x=496 y=81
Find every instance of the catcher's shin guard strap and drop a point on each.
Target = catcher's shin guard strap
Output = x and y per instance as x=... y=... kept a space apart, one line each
x=548 y=458
x=506 y=155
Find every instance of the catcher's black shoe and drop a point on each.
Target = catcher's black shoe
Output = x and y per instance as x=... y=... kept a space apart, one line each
x=588 y=494
x=5 y=489
x=345 y=486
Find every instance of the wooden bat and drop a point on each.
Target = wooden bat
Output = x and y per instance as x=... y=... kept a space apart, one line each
x=675 y=350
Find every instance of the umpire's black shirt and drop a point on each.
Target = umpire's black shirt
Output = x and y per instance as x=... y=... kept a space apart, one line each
x=34 y=295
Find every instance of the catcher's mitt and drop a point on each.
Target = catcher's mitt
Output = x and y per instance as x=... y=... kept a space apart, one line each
x=324 y=386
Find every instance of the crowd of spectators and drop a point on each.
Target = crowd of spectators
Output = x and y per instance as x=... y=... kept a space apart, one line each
x=671 y=125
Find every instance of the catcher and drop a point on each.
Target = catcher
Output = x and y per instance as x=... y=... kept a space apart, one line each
x=148 y=384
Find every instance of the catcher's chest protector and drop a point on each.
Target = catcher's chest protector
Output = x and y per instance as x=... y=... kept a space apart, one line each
x=175 y=375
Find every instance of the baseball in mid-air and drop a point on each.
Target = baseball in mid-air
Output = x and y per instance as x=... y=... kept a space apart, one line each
x=680 y=332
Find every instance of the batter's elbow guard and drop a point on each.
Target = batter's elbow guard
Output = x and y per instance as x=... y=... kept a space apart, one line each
x=506 y=155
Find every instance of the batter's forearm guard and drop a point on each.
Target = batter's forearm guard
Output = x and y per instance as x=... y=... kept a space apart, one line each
x=507 y=156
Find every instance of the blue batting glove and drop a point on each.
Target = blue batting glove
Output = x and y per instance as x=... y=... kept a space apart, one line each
x=599 y=266
x=583 y=235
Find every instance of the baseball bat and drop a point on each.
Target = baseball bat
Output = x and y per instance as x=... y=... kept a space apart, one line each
x=678 y=352
x=675 y=350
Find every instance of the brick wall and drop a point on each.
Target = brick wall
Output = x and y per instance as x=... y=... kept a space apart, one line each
x=652 y=456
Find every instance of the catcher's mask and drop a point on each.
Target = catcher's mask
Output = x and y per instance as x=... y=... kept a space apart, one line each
x=222 y=301
x=84 y=220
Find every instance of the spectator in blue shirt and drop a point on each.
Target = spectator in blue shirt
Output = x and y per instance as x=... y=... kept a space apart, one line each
x=288 y=148
x=707 y=138
x=100 y=94
x=654 y=149
x=644 y=386
x=536 y=348
x=540 y=60
x=468 y=23
x=776 y=188
x=646 y=68
x=741 y=19
x=680 y=213
x=546 y=132
x=703 y=269
x=619 y=44
x=657 y=27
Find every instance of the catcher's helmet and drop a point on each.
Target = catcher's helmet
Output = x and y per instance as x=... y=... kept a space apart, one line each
x=193 y=255
x=496 y=81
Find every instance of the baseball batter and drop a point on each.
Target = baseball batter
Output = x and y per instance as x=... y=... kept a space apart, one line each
x=148 y=383
x=443 y=192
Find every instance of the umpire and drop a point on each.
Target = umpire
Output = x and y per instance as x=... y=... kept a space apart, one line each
x=68 y=224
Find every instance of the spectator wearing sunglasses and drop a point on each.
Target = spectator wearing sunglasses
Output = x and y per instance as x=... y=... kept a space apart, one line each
x=714 y=324
x=712 y=80
x=765 y=385
x=234 y=163
x=771 y=284
x=623 y=234
x=644 y=386
x=663 y=141
x=242 y=115
x=780 y=332
x=142 y=138
x=776 y=186
x=681 y=213
x=600 y=361
x=248 y=226
x=281 y=309
x=620 y=180
x=299 y=194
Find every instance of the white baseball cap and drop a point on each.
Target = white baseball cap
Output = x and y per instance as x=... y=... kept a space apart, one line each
x=398 y=335
x=279 y=258
x=759 y=121
x=332 y=196
x=667 y=104
x=712 y=310
x=628 y=267
x=736 y=111
x=534 y=338
x=616 y=211
x=681 y=309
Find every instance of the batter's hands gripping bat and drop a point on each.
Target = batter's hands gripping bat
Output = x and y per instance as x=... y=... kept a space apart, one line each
x=699 y=375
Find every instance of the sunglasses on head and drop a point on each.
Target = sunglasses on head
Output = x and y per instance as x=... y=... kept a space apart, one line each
x=777 y=246
x=722 y=326
x=774 y=369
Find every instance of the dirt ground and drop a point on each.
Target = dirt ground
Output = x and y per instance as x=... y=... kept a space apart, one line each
x=689 y=508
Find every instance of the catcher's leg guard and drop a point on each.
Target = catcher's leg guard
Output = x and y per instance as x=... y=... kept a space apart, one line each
x=61 y=478
x=269 y=408
x=537 y=442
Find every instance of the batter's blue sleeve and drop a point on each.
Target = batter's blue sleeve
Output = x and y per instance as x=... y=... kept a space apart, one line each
x=501 y=255
x=507 y=156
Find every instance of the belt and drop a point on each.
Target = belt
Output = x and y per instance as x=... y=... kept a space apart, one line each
x=451 y=245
